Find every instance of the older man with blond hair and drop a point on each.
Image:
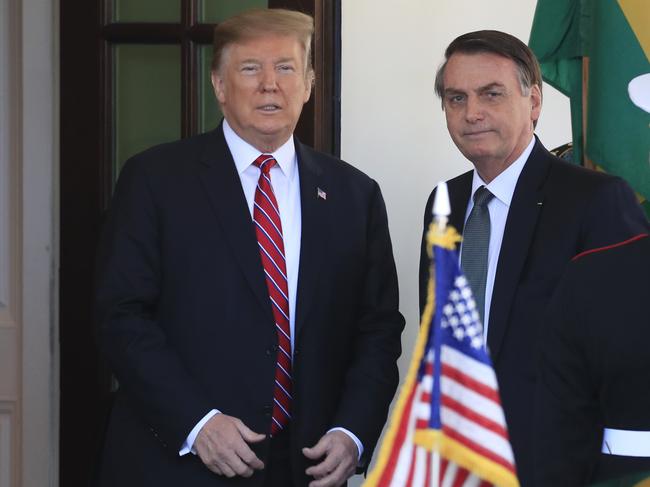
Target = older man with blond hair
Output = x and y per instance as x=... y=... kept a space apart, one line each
x=247 y=292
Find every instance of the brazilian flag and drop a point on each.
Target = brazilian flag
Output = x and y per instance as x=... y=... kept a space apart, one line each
x=615 y=37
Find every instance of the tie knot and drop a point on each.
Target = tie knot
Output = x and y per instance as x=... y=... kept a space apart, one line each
x=265 y=162
x=482 y=196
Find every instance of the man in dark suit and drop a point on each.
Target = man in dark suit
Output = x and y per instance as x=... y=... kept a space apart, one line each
x=247 y=292
x=592 y=420
x=523 y=212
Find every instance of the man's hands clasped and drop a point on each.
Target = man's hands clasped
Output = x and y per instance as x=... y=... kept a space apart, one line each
x=223 y=446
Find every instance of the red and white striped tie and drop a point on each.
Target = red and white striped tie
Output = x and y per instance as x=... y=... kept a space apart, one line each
x=268 y=227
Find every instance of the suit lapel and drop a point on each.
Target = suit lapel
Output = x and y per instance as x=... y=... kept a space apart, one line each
x=460 y=191
x=520 y=227
x=223 y=187
x=313 y=233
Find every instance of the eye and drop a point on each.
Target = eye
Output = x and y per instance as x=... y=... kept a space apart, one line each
x=249 y=68
x=455 y=99
x=492 y=95
x=285 y=68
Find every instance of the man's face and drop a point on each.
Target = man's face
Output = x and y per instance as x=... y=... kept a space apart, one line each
x=262 y=86
x=489 y=118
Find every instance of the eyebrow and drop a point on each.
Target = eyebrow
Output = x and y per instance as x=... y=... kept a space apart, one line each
x=480 y=89
x=491 y=86
x=277 y=61
x=285 y=60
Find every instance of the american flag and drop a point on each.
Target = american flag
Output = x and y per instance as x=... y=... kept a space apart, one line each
x=448 y=428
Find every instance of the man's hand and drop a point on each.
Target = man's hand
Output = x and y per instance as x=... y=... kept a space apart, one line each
x=222 y=445
x=339 y=459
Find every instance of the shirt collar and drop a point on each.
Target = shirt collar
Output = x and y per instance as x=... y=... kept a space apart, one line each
x=503 y=186
x=245 y=154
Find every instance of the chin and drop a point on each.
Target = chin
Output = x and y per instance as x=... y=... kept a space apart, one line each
x=474 y=153
x=270 y=125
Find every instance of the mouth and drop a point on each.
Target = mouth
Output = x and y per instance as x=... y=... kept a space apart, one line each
x=269 y=108
x=476 y=133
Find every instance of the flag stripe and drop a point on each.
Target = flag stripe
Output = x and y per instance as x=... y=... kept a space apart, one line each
x=450 y=475
x=471 y=399
x=398 y=442
x=472 y=481
x=468 y=381
x=480 y=449
x=422 y=466
x=472 y=415
x=405 y=455
x=412 y=467
x=480 y=371
x=461 y=476
x=492 y=442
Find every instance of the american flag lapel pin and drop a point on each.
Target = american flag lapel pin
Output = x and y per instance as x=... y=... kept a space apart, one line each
x=321 y=194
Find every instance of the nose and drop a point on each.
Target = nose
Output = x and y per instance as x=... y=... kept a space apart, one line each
x=268 y=81
x=473 y=110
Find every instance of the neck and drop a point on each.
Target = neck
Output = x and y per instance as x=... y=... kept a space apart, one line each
x=267 y=145
x=490 y=169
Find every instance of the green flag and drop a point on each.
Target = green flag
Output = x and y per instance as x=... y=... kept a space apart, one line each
x=615 y=35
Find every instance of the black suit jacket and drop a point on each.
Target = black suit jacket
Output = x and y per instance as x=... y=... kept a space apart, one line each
x=557 y=210
x=185 y=319
x=595 y=367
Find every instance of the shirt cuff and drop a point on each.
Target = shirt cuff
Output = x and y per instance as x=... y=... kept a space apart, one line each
x=354 y=438
x=188 y=446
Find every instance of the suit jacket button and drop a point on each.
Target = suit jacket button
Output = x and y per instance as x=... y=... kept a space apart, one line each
x=268 y=410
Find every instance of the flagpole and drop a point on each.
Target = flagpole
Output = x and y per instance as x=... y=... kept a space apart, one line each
x=441 y=207
x=441 y=211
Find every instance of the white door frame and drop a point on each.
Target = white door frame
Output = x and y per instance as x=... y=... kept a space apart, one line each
x=29 y=397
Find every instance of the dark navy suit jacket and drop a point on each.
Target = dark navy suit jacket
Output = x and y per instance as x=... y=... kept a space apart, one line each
x=594 y=367
x=185 y=319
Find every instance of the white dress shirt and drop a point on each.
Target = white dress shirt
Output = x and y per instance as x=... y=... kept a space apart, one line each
x=285 y=181
x=502 y=187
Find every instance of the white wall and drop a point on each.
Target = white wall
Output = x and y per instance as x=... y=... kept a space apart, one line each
x=392 y=126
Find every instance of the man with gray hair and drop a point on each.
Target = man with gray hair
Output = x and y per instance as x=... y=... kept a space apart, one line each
x=247 y=293
x=523 y=212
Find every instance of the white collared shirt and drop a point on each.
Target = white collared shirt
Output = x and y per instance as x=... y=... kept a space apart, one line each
x=502 y=187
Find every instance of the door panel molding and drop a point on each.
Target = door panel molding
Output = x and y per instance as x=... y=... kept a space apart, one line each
x=8 y=444
x=35 y=113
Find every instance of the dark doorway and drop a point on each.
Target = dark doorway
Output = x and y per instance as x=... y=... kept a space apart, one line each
x=95 y=37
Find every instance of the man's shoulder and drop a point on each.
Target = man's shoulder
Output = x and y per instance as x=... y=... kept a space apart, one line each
x=173 y=159
x=331 y=165
x=462 y=180
x=184 y=148
x=568 y=172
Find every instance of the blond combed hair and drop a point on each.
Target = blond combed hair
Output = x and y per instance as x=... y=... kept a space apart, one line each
x=256 y=23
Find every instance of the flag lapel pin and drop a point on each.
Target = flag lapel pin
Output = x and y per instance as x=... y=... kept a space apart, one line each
x=321 y=194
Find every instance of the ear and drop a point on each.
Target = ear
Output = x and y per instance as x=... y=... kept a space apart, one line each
x=218 y=86
x=309 y=82
x=536 y=102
